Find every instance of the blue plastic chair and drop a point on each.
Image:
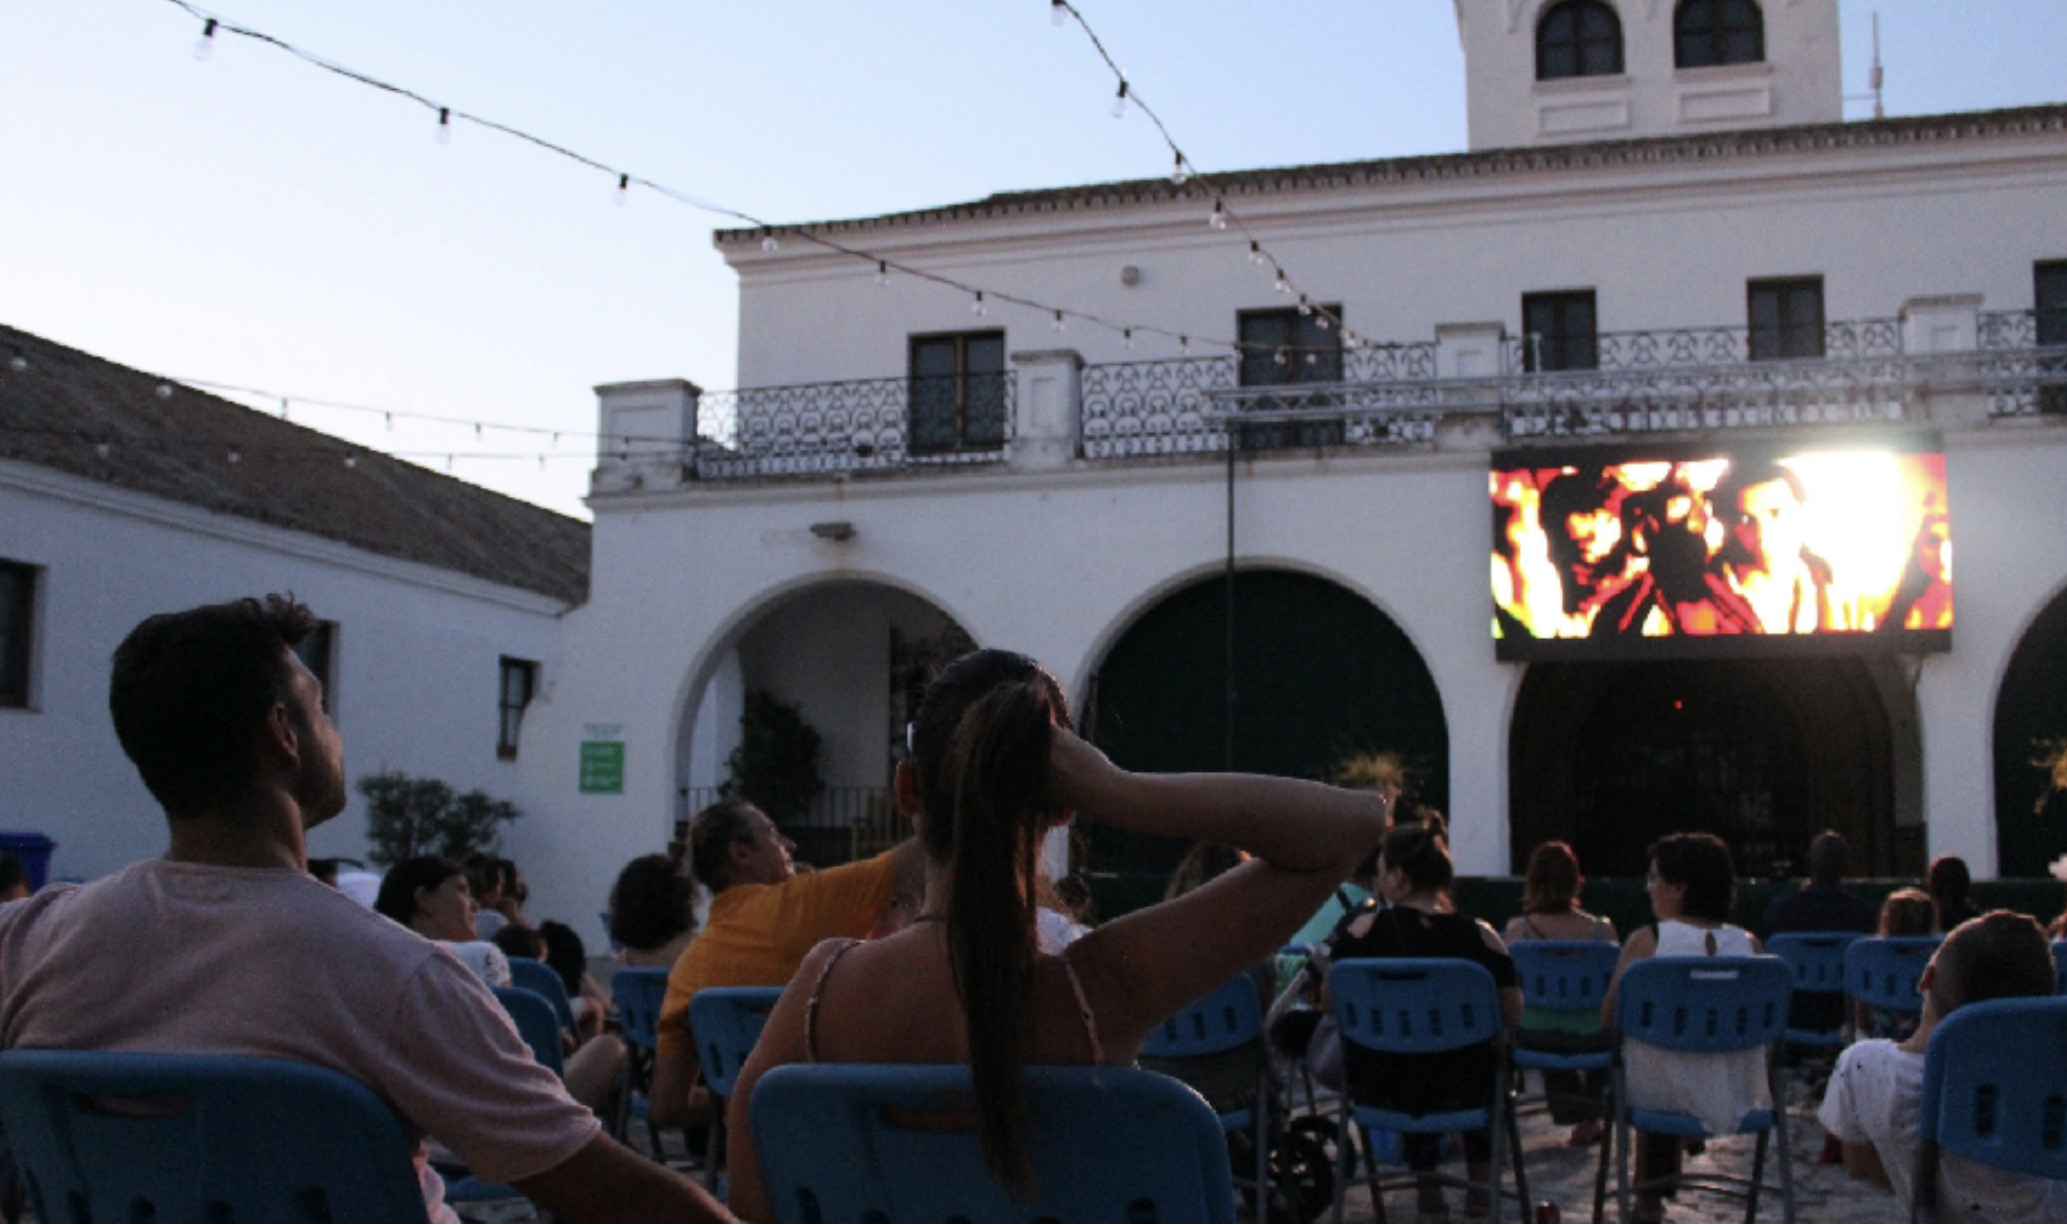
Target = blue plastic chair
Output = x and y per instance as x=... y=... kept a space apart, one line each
x=2060 y=963
x=1417 y=1006
x=1704 y=1006
x=884 y=1142
x=1817 y=961
x=726 y=1022
x=1995 y=1092
x=202 y=1137
x=1882 y=971
x=1566 y=976
x=535 y=975
x=1227 y=1019
x=536 y=1024
x=637 y=993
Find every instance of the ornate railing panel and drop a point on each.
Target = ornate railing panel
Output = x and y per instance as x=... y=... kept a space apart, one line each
x=1748 y=395
x=1665 y=348
x=1152 y=408
x=816 y=428
x=2024 y=362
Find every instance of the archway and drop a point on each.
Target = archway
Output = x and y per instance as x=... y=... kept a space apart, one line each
x=1764 y=753
x=1319 y=675
x=2031 y=748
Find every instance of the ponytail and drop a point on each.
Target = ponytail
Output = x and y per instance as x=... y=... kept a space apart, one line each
x=980 y=751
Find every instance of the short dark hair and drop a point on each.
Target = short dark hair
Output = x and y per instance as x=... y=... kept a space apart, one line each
x=1418 y=849
x=1700 y=864
x=397 y=896
x=1829 y=858
x=517 y=940
x=565 y=953
x=650 y=903
x=2001 y=955
x=188 y=689
x=711 y=835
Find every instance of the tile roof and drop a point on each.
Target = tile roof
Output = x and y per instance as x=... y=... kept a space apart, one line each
x=76 y=413
x=1704 y=147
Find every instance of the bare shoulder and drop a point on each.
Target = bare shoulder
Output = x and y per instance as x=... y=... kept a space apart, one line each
x=1491 y=937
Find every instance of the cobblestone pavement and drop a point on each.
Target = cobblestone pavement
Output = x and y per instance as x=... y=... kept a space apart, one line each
x=1564 y=1176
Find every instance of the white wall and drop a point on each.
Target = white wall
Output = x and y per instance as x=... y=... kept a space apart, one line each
x=417 y=656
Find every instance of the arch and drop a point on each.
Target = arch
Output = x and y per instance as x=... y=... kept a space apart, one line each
x=1320 y=673
x=2030 y=745
x=1578 y=38
x=1706 y=33
x=1764 y=753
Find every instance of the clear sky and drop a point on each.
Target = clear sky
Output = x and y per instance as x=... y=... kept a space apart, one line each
x=252 y=220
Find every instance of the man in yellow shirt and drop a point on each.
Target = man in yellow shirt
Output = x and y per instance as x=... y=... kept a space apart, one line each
x=764 y=918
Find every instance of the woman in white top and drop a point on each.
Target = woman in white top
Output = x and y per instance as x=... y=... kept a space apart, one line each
x=1692 y=887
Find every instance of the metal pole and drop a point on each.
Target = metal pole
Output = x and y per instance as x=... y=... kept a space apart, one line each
x=1227 y=677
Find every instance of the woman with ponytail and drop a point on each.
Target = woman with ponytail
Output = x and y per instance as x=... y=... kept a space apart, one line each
x=993 y=768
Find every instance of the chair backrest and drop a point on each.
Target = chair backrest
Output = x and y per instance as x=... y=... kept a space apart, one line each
x=1816 y=959
x=1882 y=971
x=136 y=1136
x=727 y=1021
x=1229 y=1016
x=536 y=1024
x=1704 y=1003
x=638 y=991
x=1995 y=1087
x=880 y=1142
x=535 y=975
x=1566 y=975
x=2060 y=963
x=1414 y=1005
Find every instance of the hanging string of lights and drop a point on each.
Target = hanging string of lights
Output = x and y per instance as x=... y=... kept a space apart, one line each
x=981 y=297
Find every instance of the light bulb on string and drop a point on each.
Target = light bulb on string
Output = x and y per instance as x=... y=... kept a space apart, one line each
x=204 y=46
x=448 y=461
x=351 y=463
x=768 y=242
x=624 y=189
x=1279 y=357
x=164 y=391
x=882 y=273
x=390 y=418
x=102 y=449
x=1119 y=101
x=1059 y=326
x=18 y=363
x=1058 y=12
x=1184 y=346
x=978 y=308
x=236 y=456
x=1322 y=322
x=1180 y=172
x=1256 y=253
x=1283 y=285
x=1126 y=338
x=1312 y=357
x=1305 y=308
x=444 y=125
x=283 y=408
x=1219 y=218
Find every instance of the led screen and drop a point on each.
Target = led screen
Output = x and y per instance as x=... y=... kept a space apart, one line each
x=1613 y=553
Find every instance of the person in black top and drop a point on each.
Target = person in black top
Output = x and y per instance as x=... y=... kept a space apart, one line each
x=1419 y=920
x=1822 y=905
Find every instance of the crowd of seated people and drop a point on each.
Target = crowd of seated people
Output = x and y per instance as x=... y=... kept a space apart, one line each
x=951 y=948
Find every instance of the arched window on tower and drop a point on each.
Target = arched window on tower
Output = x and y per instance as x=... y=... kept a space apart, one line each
x=1710 y=32
x=1578 y=38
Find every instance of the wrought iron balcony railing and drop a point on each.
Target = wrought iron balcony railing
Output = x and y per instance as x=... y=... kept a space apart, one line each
x=2023 y=356
x=858 y=426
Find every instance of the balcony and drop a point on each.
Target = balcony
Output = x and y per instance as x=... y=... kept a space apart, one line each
x=1878 y=371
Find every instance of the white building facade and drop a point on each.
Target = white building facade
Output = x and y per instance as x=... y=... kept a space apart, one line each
x=902 y=470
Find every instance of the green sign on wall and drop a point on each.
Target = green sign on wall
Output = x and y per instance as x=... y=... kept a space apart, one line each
x=602 y=759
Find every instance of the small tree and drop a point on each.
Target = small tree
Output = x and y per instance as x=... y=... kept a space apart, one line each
x=776 y=762
x=407 y=817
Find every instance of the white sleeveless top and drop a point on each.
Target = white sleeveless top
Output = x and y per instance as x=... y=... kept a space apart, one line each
x=1717 y=1089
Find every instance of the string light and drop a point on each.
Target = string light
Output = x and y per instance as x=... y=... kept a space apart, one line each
x=1127 y=338
x=164 y=391
x=1256 y=253
x=1058 y=321
x=1279 y=356
x=882 y=273
x=18 y=363
x=1180 y=173
x=1058 y=12
x=236 y=456
x=444 y=125
x=978 y=307
x=1283 y=285
x=1219 y=218
x=351 y=463
x=768 y=242
x=204 y=46
x=624 y=189
x=1119 y=101
x=1305 y=308
x=1184 y=346
x=102 y=449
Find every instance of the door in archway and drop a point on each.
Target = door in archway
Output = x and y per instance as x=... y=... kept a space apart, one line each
x=2031 y=749
x=1764 y=753
x=1319 y=674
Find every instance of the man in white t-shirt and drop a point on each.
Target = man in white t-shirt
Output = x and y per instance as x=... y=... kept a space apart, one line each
x=228 y=946
x=1875 y=1094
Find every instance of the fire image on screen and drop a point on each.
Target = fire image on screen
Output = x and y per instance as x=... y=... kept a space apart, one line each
x=1805 y=544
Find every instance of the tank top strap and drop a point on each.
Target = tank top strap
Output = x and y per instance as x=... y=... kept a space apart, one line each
x=811 y=1003
x=1076 y=987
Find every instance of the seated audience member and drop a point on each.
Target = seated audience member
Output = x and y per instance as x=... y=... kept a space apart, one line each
x=1905 y=912
x=324 y=870
x=430 y=895
x=520 y=942
x=1419 y=920
x=485 y=879
x=993 y=768
x=1550 y=911
x=1822 y=904
x=1950 y=885
x=1692 y=886
x=569 y=958
x=227 y=945
x=652 y=912
x=1873 y=1100
x=764 y=917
